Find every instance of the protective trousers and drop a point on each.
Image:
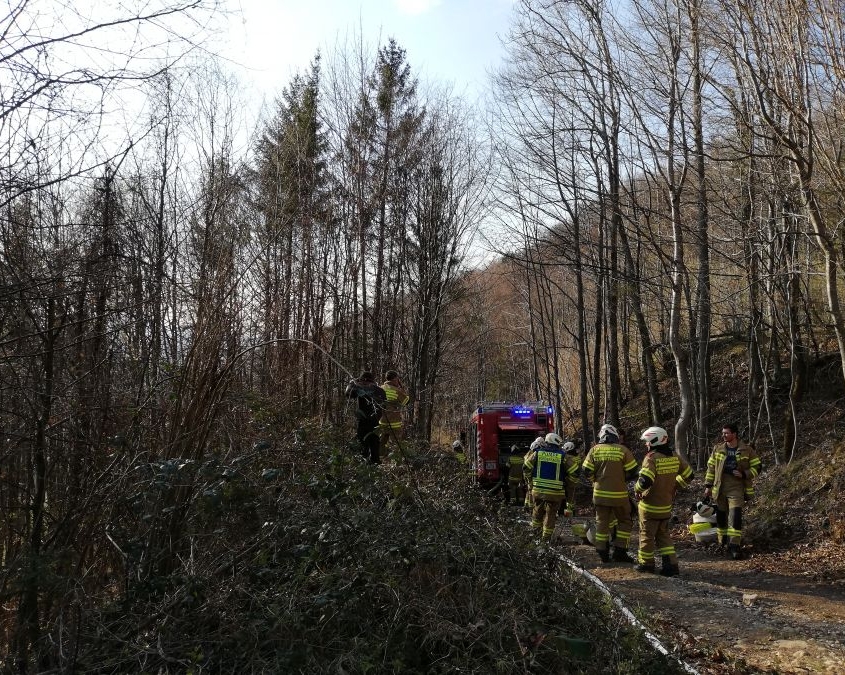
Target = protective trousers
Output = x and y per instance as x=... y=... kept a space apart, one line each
x=368 y=436
x=545 y=514
x=390 y=432
x=604 y=515
x=729 y=505
x=655 y=532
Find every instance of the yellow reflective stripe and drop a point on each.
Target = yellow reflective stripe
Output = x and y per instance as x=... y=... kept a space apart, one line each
x=541 y=493
x=647 y=472
x=548 y=484
x=390 y=425
x=610 y=495
x=656 y=510
x=631 y=465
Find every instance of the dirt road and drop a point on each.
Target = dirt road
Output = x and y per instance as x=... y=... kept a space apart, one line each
x=770 y=613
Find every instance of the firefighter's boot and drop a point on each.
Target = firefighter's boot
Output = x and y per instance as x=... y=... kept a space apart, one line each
x=645 y=567
x=668 y=569
x=621 y=555
x=603 y=554
x=734 y=552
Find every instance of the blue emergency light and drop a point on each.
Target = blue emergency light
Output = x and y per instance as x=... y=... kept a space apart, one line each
x=522 y=411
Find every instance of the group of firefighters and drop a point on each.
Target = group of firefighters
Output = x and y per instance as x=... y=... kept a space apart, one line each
x=550 y=470
x=551 y=467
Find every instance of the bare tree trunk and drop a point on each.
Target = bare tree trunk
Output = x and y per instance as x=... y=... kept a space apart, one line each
x=703 y=308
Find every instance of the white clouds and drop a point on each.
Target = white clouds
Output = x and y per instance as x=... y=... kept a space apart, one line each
x=416 y=7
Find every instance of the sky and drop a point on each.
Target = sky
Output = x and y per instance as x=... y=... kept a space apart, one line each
x=449 y=41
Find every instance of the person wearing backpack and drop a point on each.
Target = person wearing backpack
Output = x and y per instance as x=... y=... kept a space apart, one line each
x=371 y=401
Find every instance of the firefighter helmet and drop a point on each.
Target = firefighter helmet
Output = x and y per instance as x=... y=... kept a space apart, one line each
x=655 y=436
x=705 y=510
x=569 y=446
x=606 y=431
x=553 y=439
x=456 y=445
x=590 y=532
x=538 y=442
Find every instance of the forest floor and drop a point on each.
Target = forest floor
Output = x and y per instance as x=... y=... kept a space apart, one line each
x=772 y=612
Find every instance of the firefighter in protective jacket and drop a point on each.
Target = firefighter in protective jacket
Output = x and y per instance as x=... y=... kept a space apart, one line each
x=609 y=466
x=390 y=424
x=537 y=444
x=731 y=469
x=549 y=469
x=660 y=475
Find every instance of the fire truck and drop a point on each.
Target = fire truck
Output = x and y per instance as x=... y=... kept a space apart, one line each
x=496 y=426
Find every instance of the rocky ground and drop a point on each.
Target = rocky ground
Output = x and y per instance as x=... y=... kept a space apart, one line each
x=772 y=612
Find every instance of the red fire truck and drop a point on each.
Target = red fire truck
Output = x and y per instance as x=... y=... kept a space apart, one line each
x=496 y=426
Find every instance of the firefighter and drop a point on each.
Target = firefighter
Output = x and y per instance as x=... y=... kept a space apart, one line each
x=460 y=456
x=609 y=466
x=731 y=469
x=390 y=425
x=660 y=475
x=549 y=469
x=536 y=444
x=371 y=400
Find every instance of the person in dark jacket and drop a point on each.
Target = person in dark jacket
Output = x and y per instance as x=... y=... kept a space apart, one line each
x=371 y=401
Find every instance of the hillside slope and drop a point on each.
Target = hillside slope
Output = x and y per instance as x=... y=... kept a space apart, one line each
x=782 y=608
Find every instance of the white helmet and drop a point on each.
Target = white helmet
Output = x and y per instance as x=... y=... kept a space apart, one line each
x=569 y=446
x=607 y=430
x=456 y=445
x=538 y=442
x=590 y=532
x=553 y=439
x=705 y=510
x=655 y=436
